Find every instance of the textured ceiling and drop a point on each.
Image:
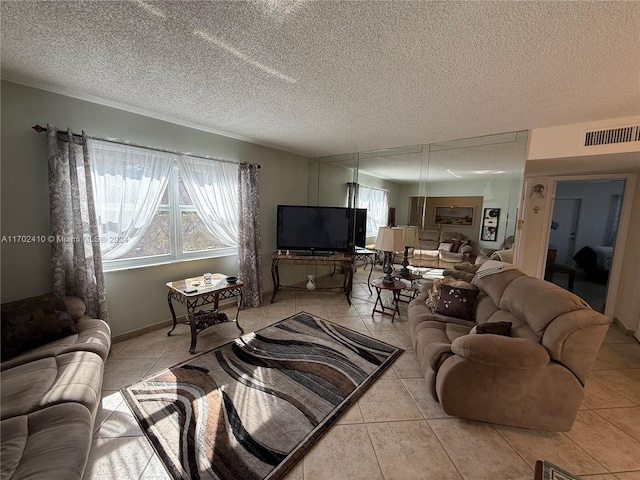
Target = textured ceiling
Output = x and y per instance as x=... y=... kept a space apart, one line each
x=322 y=78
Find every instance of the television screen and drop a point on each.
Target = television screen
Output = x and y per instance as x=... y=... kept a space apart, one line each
x=325 y=229
x=360 y=230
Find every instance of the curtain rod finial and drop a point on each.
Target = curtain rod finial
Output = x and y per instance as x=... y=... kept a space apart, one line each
x=39 y=128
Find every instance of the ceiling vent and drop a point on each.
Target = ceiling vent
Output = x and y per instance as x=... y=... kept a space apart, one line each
x=613 y=135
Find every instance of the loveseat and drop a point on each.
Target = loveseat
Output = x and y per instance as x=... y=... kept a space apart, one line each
x=532 y=376
x=51 y=380
x=438 y=249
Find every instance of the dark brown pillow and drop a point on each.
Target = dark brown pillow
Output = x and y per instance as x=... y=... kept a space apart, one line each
x=34 y=322
x=495 y=328
x=457 y=302
x=456 y=244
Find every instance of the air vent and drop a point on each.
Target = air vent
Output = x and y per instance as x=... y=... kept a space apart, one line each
x=613 y=135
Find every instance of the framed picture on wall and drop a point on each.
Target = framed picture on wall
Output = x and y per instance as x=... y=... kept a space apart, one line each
x=454 y=216
x=490 y=219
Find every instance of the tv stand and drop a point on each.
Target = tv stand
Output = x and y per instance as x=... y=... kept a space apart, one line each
x=311 y=253
x=319 y=258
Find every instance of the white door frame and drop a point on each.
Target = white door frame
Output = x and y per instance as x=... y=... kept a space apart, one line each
x=623 y=229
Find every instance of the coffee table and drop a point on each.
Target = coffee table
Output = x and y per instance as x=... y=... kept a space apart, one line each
x=395 y=288
x=205 y=294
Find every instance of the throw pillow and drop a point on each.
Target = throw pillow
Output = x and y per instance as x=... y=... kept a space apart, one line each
x=445 y=247
x=457 y=302
x=455 y=244
x=494 y=328
x=34 y=322
x=434 y=293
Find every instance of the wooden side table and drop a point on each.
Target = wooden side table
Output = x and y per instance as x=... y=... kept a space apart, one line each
x=412 y=277
x=395 y=288
x=205 y=294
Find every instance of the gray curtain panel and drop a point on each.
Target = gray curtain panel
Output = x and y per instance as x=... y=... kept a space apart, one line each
x=249 y=249
x=75 y=247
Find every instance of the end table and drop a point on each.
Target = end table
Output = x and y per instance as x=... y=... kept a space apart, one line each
x=395 y=288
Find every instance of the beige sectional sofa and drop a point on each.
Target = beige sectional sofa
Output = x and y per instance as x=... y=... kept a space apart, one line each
x=533 y=377
x=50 y=393
x=429 y=253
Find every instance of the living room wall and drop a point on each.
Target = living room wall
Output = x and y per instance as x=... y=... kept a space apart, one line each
x=137 y=297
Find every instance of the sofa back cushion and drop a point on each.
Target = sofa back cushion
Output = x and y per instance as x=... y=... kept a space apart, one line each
x=35 y=321
x=541 y=311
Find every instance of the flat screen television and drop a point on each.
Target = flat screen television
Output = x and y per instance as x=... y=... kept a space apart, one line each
x=314 y=229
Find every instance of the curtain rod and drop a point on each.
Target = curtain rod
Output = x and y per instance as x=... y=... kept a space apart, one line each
x=40 y=129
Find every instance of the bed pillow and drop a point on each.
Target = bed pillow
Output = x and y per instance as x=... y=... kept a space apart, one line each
x=34 y=322
x=457 y=302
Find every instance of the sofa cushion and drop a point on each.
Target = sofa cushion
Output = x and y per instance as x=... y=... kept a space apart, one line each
x=70 y=377
x=457 y=302
x=52 y=443
x=539 y=303
x=32 y=322
x=93 y=335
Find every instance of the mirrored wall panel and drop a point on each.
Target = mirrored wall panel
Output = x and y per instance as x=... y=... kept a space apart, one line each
x=470 y=187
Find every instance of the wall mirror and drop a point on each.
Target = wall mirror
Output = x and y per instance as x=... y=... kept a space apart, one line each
x=434 y=186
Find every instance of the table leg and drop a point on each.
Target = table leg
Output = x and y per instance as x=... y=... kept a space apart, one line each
x=370 y=272
x=275 y=278
x=348 y=282
x=173 y=314
x=396 y=302
x=238 y=314
x=378 y=301
x=192 y=326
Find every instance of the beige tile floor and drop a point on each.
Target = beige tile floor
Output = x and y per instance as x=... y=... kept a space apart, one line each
x=395 y=430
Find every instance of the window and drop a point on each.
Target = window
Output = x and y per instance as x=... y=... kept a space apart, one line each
x=376 y=201
x=155 y=207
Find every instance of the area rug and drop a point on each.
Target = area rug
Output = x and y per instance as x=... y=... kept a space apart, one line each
x=250 y=409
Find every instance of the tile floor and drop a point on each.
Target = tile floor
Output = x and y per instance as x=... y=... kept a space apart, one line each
x=395 y=430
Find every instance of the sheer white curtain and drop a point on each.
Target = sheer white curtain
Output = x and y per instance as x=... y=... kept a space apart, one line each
x=376 y=201
x=128 y=186
x=213 y=187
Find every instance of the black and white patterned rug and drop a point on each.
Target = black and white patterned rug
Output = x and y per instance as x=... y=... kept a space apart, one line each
x=253 y=407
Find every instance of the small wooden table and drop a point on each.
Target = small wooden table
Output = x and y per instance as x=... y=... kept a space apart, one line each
x=218 y=290
x=395 y=288
x=412 y=277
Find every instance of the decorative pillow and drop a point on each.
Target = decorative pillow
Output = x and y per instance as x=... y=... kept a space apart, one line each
x=457 y=302
x=445 y=247
x=455 y=244
x=494 y=328
x=34 y=322
x=434 y=294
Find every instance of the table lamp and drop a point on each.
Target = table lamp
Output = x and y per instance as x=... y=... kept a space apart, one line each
x=410 y=241
x=389 y=241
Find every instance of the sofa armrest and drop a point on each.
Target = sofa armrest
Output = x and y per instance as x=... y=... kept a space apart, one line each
x=466 y=249
x=75 y=307
x=501 y=351
x=488 y=251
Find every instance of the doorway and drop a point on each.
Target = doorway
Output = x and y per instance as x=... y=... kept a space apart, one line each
x=583 y=234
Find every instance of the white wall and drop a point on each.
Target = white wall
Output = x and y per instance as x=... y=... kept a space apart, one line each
x=137 y=298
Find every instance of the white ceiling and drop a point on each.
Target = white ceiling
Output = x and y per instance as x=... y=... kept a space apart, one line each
x=327 y=77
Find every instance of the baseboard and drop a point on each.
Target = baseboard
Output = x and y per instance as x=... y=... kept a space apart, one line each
x=167 y=323
x=618 y=323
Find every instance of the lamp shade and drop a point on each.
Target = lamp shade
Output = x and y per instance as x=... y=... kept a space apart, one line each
x=390 y=239
x=410 y=236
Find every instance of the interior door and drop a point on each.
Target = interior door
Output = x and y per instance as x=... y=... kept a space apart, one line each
x=563 y=228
